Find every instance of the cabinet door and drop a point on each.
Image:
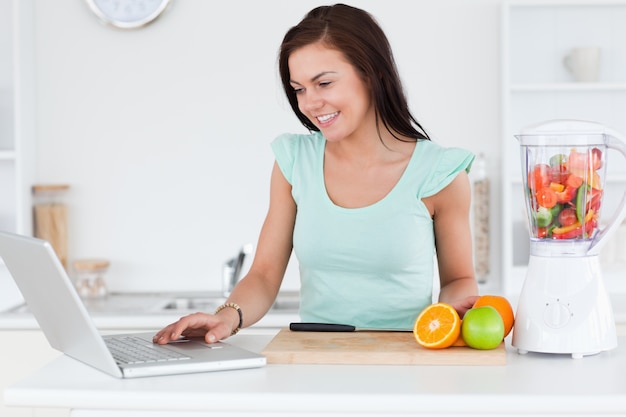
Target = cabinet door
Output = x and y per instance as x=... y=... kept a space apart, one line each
x=23 y=352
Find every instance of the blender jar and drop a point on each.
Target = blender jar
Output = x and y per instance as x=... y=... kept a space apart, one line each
x=564 y=190
x=563 y=166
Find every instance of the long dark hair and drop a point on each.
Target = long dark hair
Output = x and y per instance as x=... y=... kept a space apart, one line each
x=355 y=33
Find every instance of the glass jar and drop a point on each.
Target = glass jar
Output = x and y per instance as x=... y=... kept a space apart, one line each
x=480 y=200
x=50 y=217
x=90 y=277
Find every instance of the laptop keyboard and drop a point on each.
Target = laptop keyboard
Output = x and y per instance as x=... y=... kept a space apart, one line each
x=134 y=350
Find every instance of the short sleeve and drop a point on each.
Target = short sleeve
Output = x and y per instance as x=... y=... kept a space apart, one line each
x=285 y=148
x=450 y=162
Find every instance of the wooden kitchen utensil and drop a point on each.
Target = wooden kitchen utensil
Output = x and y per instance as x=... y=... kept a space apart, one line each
x=370 y=348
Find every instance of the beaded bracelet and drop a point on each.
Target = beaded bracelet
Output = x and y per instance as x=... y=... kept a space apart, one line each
x=236 y=307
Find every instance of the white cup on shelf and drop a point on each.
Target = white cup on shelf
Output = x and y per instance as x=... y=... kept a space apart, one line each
x=584 y=63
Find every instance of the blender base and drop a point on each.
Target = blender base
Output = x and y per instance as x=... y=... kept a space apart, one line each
x=574 y=355
x=564 y=308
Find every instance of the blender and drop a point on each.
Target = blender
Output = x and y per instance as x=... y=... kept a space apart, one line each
x=564 y=307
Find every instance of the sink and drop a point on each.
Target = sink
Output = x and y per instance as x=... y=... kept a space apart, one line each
x=287 y=302
x=115 y=303
x=206 y=304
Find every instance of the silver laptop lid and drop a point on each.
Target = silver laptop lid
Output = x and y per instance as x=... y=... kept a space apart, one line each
x=51 y=297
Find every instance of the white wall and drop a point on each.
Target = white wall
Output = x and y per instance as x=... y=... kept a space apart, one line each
x=163 y=133
x=6 y=75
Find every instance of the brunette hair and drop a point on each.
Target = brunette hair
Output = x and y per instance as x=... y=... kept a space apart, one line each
x=357 y=35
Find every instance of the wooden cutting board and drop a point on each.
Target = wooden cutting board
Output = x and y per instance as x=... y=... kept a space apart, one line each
x=370 y=348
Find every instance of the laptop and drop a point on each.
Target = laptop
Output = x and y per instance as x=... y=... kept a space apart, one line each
x=63 y=318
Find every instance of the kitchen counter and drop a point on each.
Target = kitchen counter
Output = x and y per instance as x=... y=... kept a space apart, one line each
x=146 y=311
x=527 y=385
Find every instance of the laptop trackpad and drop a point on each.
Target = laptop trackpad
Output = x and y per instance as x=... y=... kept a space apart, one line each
x=193 y=344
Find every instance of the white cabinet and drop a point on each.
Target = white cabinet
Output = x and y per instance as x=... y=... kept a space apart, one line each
x=17 y=126
x=536 y=86
x=24 y=352
x=17 y=130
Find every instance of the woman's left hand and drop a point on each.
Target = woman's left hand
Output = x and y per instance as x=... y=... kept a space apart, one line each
x=464 y=304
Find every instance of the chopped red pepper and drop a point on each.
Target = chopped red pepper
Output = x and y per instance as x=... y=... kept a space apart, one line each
x=573 y=181
x=538 y=177
x=566 y=195
x=546 y=197
x=575 y=230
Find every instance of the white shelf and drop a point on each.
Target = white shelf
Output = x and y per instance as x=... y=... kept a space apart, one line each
x=567 y=87
x=565 y=3
x=7 y=155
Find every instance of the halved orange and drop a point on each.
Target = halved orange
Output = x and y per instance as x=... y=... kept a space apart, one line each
x=438 y=326
x=503 y=306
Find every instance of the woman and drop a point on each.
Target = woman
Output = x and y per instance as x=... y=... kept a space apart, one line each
x=364 y=201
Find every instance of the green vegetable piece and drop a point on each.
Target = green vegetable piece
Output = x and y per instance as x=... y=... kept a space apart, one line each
x=543 y=217
x=556 y=210
x=557 y=160
x=581 y=202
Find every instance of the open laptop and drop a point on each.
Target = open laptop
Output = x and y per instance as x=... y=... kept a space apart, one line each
x=63 y=318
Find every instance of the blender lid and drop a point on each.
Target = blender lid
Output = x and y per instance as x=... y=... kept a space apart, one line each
x=572 y=131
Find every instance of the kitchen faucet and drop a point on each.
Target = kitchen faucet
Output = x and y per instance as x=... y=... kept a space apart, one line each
x=231 y=272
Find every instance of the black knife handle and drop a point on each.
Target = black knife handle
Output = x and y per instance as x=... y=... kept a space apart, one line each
x=320 y=327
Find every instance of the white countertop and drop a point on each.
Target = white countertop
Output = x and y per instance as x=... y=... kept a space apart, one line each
x=527 y=384
x=135 y=313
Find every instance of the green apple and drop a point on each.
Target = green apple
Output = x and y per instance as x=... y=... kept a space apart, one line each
x=482 y=328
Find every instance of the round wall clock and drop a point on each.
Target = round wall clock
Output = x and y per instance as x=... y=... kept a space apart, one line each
x=128 y=14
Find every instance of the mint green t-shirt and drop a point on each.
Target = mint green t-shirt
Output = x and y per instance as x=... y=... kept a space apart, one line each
x=370 y=266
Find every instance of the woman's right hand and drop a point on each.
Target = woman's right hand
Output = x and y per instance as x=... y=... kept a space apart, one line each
x=211 y=327
x=257 y=290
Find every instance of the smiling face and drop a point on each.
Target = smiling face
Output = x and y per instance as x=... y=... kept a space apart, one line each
x=330 y=92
